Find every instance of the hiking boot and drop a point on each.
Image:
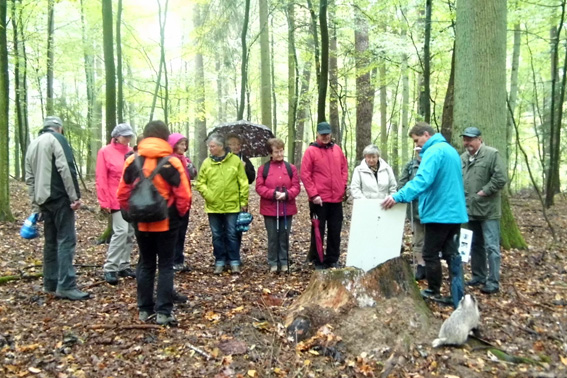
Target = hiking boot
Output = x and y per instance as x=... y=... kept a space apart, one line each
x=166 y=320
x=273 y=269
x=128 y=272
x=144 y=316
x=218 y=269
x=284 y=268
x=181 y=268
x=474 y=282
x=111 y=278
x=72 y=295
x=420 y=273
x=490 y=289
x=178 y=297
x=235 y=269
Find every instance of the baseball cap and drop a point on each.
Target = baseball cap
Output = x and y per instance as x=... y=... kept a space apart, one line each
x=52 y=121
x=471 y=132
x=323 y=128
x=122 y=129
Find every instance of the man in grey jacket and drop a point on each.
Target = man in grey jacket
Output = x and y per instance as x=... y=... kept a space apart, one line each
x=484 y=175
x=53 y=188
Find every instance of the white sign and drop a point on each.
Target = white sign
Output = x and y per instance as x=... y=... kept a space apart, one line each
x=465 y=245
x=375 y=234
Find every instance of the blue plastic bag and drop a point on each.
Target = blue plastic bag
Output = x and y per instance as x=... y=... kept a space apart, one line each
x=29 y=228
x=243 y=221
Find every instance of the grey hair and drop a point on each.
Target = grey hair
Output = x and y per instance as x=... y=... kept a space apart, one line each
x=216 y=138
x=371 y=150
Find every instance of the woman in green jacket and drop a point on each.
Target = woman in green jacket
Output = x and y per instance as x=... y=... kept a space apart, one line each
x=223 y=184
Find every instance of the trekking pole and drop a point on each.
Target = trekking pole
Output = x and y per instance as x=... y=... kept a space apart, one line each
x=287 y=235
x=277 y=213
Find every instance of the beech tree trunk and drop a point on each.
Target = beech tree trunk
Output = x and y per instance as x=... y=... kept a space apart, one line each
x=292 y=82
x=265 y=76
x=5 y=212
x=50 y=55
x=244 y=63
x=324 y=74
x=334 y=94
x=110 y=75
x=200 y=111
x=119 y=76
x=364 y=90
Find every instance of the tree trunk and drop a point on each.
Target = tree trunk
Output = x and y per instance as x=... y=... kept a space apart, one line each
x=449 y=103
x=304 y=101
x=405 y=108
x=513 y=93
x=20 y=93
x=364 y=90
x=334 y=119
x=348 y=298
x=50 y=55
x=110 y=74
x=292 y=80
x=324 y=75
x=480 y=89
x=119 y=76
x=165 y=97
x=265 y=77
x=273 y=80
x=244 y=63
x=383 y=110
x=425 y=104
x=200 y=111
x=5 y=212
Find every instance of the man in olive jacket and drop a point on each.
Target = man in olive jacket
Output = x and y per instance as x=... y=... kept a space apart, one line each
x=484 y=175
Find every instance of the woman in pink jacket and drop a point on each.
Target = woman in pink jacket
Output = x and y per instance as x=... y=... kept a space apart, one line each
x=109 y=166
x=277 y=183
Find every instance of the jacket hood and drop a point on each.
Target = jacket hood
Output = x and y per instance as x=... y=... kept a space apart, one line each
x=154 y=148
x=328 y=145
x=435 y=139
x=46 y=129
x=175 y=138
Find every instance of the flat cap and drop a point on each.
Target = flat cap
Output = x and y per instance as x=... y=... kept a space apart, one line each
x=323 y=128
x=52 y=121
x=122 y=129
x=471 y=132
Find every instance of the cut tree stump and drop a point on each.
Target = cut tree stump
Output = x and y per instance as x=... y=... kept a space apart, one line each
x=373 y=312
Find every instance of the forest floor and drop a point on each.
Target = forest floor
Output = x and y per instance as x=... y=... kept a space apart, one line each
x=233 y=325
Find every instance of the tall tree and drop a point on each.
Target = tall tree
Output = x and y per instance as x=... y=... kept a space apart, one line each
x=334 y=119
x=5 y=212
x=383 y=108
x=292 y=80
x=244 y=63
x=200 y=111
x=119 y=76
x=480 y=89
x=425 y=104
x=324 y=74
x=265 y=75
x=110 y=74
x=50 y=54
x=364 y=90
x=162 y=70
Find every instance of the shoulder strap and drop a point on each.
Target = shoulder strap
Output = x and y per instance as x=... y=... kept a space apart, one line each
x=289 y=171
x=266 y=170
x=161 y=163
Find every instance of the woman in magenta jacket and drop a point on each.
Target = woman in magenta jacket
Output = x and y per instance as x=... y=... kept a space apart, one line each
x=109 y=166
x=277 y=183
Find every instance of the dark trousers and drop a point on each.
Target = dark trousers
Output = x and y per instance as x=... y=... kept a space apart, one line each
x=278 y=239
x=181 y=231
x=59 y=245
x=155 y=245
x=330 y=218
x=439 y=237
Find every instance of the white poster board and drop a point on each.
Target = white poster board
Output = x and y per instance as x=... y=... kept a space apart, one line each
x=375 y=234
x=465 y=245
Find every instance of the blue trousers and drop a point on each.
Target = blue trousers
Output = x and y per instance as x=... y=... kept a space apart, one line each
x=485 y=250
x=226 y=247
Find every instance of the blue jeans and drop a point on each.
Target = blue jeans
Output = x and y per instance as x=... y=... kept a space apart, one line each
x=59 y=245
x=226 y=248
x=485 y=250
x=154 y=245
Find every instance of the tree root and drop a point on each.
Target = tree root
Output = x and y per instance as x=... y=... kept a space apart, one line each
x=5 y=279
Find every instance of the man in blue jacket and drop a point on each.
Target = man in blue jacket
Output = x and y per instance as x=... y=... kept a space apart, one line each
x=439 y=186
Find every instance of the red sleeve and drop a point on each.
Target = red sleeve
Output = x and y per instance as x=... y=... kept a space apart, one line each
x=101 y=180
x=306 y=174
x=261 y=187
x=344 y=168
x=182 y=193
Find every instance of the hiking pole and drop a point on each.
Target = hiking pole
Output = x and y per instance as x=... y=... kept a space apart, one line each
x=277 y=213
x=286 y=235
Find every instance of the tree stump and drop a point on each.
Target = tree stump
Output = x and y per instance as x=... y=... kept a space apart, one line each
x=377 y=311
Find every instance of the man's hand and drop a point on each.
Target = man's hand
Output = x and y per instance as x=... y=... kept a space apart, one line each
x=482 y=193
x=76 y=205
x=318 y=201
x=388 y=202
x=244 y=209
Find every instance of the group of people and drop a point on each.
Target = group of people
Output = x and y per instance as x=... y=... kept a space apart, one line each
x=435 y=177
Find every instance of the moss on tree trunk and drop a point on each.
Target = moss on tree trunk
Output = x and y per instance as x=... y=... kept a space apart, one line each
x=510 y=234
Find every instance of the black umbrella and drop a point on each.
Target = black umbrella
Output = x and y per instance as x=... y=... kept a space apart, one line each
x=254 y=137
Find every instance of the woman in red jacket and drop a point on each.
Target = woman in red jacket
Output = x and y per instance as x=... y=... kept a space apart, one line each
x=277 y=183
x=109 y=166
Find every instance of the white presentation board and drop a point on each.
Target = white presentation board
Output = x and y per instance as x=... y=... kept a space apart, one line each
x=465 y=245
x=375 y=234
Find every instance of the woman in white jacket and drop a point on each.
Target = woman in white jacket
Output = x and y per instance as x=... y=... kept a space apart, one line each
x=373 y=178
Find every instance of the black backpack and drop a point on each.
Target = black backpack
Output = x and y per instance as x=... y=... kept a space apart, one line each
x=267 y=169
x=146 y=204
